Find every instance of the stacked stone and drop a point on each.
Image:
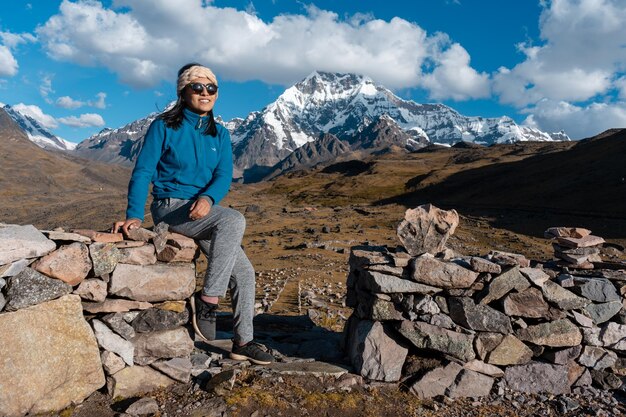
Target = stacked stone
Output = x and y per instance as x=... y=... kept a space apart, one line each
x=575 y=247
x=447 y=324
x=78 y=303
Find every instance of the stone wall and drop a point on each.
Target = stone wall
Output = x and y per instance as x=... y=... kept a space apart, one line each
x=83 y=309
x=447 y=324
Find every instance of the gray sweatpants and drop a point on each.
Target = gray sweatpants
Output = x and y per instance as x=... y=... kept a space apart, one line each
x=219 y=236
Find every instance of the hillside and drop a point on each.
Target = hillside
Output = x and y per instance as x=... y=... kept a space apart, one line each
x=45 y=187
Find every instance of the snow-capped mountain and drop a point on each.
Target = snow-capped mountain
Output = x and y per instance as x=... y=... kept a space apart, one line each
x=353 y=108
x=119 y=146
x=342 y=103
x=37 y=133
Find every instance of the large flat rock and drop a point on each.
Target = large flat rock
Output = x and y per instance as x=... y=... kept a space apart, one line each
x=431 y=271
x=17 y=242
x=427 y=336
x=159 y=282
x=51 y=362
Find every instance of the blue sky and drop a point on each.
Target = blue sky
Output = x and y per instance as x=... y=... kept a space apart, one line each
x=78 y=66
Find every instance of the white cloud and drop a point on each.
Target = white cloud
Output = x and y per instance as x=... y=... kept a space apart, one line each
x=12 y=40
x=45 y=87
x=99 y=102
x=145 y=42
x=36 y=113
x=69 y=103
x=8 y=63
x=454 y=78
x=582 y=51
x=577 y=121
x=84 y=120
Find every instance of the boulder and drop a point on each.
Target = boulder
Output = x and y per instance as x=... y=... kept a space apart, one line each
x=583 y=242
x=478 y=317
x=92 y=290
x=51 y=362
x=116 y=322
x=426 y=229
x=470 y=384
x=437 y=381
x=559 y=333
x=178 y=248
x=511 y=351
x=509 y=259
x=376 y=282
x=602 y=312
x=597 y=358
x=111 y=362
x=157 y=319
x=483 y=265
x=361 y=256
x=599 y=290
x=426 y=336
x=17 y=242
x=113 y=342
x=562 y=356
x=105 y=257
x=176 y=368
x=373 y=308
x=528 y=303
x=165 y=344
x=562 y=298
x=431 y=271
x=486 y=342
x=503 y=284
x=29 y=288
x=535 y=275
x=374 y=353
x=537 y=377
x=142 y=255
x=69 y=263
x=152 y=283
x=613 y=335
x=135 y=380
x=141 y=234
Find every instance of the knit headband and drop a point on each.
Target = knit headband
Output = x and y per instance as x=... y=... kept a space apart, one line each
x=197 y=71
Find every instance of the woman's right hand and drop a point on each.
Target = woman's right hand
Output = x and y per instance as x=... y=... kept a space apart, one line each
x=126 y=225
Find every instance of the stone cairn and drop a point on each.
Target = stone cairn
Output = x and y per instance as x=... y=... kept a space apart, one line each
x=446 y=324
x=61 y=289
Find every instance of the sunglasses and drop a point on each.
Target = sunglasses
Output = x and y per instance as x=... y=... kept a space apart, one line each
x=199 y=87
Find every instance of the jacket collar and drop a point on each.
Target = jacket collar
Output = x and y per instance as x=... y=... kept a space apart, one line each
x=194 y=118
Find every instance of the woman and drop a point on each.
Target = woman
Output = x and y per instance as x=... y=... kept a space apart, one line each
x=188 y=158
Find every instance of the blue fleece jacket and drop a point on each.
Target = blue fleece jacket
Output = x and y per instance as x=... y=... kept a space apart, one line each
x=183 y=163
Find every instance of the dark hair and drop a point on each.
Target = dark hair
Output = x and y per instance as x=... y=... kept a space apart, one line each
x=173 y=117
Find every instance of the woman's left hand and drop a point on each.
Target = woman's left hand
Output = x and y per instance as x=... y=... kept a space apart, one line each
x=200 y=208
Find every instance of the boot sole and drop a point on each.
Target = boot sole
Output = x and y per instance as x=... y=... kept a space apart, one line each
x=192 y=301
x=237 y=357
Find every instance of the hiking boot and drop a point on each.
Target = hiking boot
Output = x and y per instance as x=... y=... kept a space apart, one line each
x=252 y=351
x=204 y=316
